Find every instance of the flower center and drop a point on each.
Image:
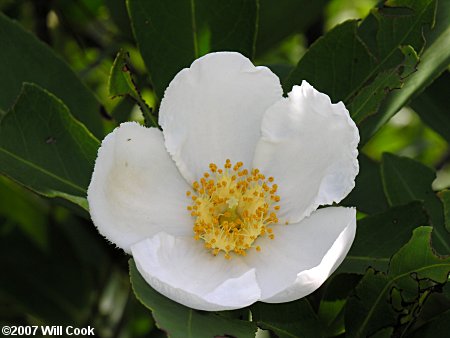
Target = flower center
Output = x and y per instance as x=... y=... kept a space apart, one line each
x=232 y=207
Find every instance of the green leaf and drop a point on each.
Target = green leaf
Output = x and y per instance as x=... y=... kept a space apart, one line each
x=50 y=285
x=384 y=333
x=122 y=111
x=295 y=16
x=439 y=327
x=368 y=195
x=26 y=59
x=368 y=100
x=436 y=305
x=335 y=64
x=118 y=12
x=180 y=321
x=332 y=305
x=434 y=59
x=288 y=320
x=380 y=236
x=407 y=180
x=172 y=34
x=382 y=300
x=445 y=198
x=432 y=106
x=45 y=149
x=121 y=83
x=25 y=209
x=359 y=65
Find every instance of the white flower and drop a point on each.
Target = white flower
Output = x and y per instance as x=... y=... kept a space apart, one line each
x=223 y=242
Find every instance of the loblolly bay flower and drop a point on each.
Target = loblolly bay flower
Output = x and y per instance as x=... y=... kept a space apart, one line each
x=220 y=208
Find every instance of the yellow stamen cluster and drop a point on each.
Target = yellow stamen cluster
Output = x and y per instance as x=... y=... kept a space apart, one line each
x=232 y=207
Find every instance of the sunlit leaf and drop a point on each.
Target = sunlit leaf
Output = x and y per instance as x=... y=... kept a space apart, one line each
x=45 y=149
x=180 y=321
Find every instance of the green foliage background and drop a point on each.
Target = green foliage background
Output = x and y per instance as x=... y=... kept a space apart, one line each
x=70 y=71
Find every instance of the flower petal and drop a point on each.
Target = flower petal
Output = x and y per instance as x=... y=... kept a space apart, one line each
x=136 y=189
x=303 y=255
x=213 y=110
x=310 y=146
x=183 y=270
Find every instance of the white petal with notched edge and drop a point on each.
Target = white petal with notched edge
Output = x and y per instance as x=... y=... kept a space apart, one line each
x=303 y=255
x=310 y=146
x=213 y=110
x=223 y=107
x=181 y=269
x=136 y=189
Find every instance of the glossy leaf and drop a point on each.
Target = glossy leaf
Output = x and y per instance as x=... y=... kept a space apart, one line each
x=45 y=149
x=288 y=320
x=407 y=180
x=382 y=235
x=26 y=59
x=180 y=321
x=434 y=59
x=382 y=300
x=172 y=34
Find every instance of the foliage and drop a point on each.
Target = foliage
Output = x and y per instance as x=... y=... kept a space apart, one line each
x=73 y=70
